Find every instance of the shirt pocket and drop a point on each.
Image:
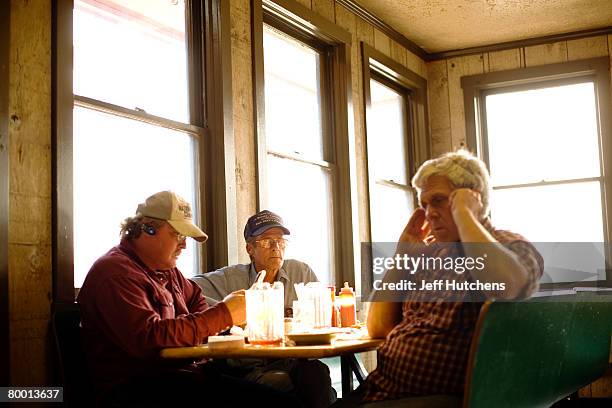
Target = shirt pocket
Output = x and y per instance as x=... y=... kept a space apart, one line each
x=165 y=306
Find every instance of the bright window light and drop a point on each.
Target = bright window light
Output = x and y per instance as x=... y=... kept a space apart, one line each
x=543 y=134
x=391 y=198
x=132 y=54
x=292 y=96
x=306 y=209
x=119 y=163
x=300 y=191
x=540 y=136
x=387 y=134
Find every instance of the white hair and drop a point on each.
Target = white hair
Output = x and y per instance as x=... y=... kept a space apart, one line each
x=462 y=169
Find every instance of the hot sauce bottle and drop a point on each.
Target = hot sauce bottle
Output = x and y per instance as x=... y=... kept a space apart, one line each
x=348 y=314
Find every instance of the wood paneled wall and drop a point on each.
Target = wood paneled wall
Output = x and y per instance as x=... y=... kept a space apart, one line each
x=30 y=190
x=242 y=82
x=446 y=111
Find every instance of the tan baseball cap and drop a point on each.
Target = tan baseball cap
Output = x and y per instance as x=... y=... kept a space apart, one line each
x=169 y=206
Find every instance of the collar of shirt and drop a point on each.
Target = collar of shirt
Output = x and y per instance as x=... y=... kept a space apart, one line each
x=162 y=276
x=281 y=275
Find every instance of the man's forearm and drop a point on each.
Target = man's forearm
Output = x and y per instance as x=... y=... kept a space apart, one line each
x=383 y=317
x=502 y=265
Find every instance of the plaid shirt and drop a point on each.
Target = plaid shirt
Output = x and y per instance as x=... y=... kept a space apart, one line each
x=427 y=352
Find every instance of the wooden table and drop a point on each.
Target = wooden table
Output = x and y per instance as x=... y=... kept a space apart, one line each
x=345 y=349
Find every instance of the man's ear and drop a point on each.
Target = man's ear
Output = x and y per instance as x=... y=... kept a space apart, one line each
x=249 y=248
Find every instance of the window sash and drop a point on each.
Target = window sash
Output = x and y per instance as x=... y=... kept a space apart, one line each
x=596 y=70
x=413 y=88
x=333 y=43
x=208 y=68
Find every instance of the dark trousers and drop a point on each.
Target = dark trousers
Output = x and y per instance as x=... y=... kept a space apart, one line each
x=309 y=380
x=205 y=387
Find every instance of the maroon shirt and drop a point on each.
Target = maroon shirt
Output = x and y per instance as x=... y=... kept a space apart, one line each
x=129 y=312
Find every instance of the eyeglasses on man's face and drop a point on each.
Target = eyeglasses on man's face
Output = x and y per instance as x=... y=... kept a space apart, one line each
x=179 y=237
x=267 y=243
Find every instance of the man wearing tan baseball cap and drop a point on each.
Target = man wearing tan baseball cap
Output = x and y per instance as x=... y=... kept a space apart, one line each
x=135 y=301
x=172 y=208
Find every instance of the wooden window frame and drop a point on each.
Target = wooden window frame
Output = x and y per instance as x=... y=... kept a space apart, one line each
x=476 y=87
x=309 y=27
x=413 y=88
x=211 y=121
x=380 y=67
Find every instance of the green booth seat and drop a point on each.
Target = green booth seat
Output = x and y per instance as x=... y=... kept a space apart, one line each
x=536 y=352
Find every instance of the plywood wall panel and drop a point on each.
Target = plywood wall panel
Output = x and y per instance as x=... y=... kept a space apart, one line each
x=242 y=94
x=439 y=113
x=240 y=24
x=242 y=84
x=324 y=8
x=398 y=53
x=30 y=182
x=349 y=22
x=457 y=68
x=30 y=264
x=589 y=47
x=30 y=168
x=307 y=3
x=382 y=42
x=246 y=179
x=365 y=31
x=27 y=212
x=30 y=352
x=416 y=64
x=503 y=60
x=345 y=19
x=546 y=54
x=440 y=141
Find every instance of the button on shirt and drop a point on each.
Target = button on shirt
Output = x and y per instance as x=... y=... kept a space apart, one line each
x=222 y=282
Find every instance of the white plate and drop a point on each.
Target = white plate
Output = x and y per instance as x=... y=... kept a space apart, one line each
x=310 y=339
x=225 y=342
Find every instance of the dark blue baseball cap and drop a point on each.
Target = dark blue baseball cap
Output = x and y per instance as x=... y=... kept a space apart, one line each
x=261 y=222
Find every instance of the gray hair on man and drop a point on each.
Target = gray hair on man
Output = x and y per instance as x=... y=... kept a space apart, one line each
x=462 y=169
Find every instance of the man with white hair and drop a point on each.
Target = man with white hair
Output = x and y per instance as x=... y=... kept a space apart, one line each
x=424 y=358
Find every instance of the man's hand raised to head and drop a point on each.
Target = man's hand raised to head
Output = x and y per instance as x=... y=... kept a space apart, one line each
x=464 y=200
x=236 y=304
x=417 y=228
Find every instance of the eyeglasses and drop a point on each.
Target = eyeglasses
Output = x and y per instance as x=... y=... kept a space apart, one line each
x=179 y=237
x=267 y=243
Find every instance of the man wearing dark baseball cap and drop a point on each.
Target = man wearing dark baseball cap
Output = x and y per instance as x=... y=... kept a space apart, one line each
x=266 y=239
x=135 y=301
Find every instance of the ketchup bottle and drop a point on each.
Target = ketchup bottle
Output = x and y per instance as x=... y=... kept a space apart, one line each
x=347 y=306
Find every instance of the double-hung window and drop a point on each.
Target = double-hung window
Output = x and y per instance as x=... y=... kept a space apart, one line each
x=130 y=120
x=302 y=170
x=131 y=134
x=300 y=176
x=396 y=139
x=544 y=133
